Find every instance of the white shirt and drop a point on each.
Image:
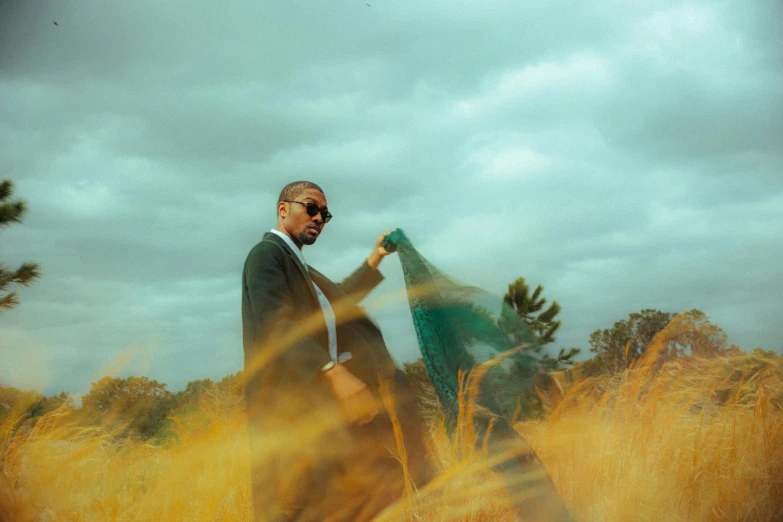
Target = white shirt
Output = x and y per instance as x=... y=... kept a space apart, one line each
x=326 y=308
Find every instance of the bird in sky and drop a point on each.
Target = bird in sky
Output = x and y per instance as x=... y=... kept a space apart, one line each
x=55 y=23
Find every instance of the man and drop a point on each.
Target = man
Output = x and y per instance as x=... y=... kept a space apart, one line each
x=316 y=370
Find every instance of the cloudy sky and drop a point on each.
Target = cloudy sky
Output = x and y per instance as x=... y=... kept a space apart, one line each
x=624 y=154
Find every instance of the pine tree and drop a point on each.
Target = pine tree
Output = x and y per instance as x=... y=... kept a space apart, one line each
x=527 y=306
x=12 y=212
x=517 y=392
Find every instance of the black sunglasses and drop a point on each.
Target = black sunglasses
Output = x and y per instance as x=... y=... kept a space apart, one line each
x=313 y=209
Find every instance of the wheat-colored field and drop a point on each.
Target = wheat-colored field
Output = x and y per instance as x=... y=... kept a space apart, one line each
x=695 y=440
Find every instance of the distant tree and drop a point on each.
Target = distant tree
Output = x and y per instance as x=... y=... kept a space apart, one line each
x=529 y=307
x=692 y=333
x=761 y=352
x=138 y=403
x=151 y=421
x=21 y=410
x=599 y=364
x=207 y=398
x=195 y=389
x=189 y=399
x=49 y=404
x=16 y=403
x=12 y=212
x=616 y=348
x=232 y=385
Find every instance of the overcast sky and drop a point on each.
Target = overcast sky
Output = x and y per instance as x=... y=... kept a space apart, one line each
x=624 y=154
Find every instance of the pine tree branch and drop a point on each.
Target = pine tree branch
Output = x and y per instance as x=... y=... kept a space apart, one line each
x=8 y=301
x=6 y=276
x=549 y=334
x=27 y=273
x=6 y=189
x=550 y=313
x=12 y=213
x=24 y=275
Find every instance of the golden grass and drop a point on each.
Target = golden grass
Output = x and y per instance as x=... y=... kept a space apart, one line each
x=701 y=440
x=695 y=440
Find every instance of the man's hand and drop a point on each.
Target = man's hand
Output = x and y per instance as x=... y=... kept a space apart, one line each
x=379 y=252
x=356 y=400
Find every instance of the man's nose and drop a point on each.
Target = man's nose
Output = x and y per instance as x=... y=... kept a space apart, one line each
x=318 y=219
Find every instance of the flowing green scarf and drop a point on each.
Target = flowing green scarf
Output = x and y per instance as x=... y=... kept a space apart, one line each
x=458 y=328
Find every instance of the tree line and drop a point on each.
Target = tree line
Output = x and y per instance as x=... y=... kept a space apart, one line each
x=130 y=407
x=142 y=408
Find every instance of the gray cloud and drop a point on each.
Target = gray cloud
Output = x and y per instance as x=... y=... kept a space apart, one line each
x=623 y=155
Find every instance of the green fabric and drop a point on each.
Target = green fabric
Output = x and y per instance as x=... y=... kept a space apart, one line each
x=458 y=327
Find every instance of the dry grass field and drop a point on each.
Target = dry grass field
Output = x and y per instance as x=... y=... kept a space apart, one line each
x=694 y=440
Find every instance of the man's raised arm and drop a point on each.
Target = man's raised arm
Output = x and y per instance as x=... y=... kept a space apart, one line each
x=366 y=277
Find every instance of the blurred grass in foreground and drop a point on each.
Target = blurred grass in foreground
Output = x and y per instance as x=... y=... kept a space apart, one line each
x=692 y=440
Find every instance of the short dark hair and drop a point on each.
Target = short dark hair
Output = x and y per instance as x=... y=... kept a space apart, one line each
x=292 y=190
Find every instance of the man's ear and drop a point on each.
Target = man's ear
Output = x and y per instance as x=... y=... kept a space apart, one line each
x=282 y=210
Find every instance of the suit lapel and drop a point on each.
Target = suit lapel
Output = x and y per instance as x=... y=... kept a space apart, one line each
x=323 y=283
x=332 y=292
x=295 y=260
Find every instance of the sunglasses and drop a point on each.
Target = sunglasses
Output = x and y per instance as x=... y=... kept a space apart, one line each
x=313 y=209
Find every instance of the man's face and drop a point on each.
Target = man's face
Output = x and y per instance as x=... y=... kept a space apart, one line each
x=302 y=228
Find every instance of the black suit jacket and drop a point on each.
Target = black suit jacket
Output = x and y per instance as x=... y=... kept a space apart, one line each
x=279 y=302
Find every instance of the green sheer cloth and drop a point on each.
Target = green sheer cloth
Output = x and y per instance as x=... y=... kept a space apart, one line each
x=459 y=327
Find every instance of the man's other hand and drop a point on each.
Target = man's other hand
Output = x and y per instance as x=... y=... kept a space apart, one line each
x=357 y=402
x=378 y=252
